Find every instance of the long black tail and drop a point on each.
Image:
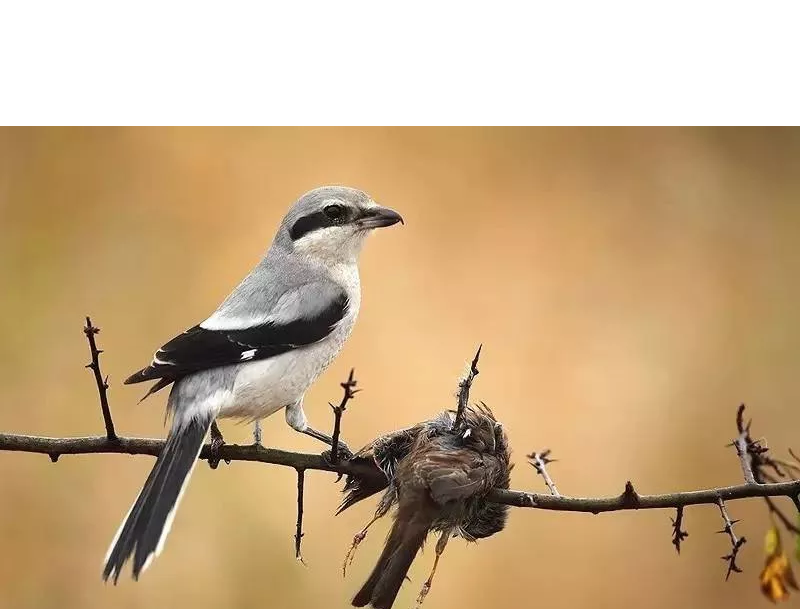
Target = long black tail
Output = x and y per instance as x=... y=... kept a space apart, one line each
x=408 y=533
x=147 y=524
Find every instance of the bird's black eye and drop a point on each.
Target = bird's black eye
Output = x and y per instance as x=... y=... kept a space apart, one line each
x=334 y=212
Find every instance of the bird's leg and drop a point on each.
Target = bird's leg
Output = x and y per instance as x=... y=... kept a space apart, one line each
x=217 y=442
x=344 y=450
x=387 y=501
x=257 y=432
x=296 y=418
x=359 y=537
x=440 y=546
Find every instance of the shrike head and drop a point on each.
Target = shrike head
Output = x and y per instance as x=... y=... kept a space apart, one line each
x=330 y=223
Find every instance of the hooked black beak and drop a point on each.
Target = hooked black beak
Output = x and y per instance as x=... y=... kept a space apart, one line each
x=378 y=217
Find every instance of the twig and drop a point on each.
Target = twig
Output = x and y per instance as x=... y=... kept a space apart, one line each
x=102 y=383
x=464 y=386
x=642 y=502
x=753 y=458
x=298 y=535
x=787 y=523
x=307 y=461
x=736 y=542
x=678 y=534
x=775 y=509
x=152 y=447
x=744 y=458
x=349 y=392
x=755 y=461
x=539 y=462
x=742 y=443
x=792 y=467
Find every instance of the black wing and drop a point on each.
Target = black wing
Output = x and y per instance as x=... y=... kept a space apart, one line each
x=199 y=348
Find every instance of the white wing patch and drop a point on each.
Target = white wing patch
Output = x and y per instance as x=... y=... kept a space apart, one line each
x=156 y=360
x=246 y=355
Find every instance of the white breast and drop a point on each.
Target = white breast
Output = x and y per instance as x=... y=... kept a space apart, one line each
x=265 y=386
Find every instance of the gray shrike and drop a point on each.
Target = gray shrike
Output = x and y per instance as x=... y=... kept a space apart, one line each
x=259 y=351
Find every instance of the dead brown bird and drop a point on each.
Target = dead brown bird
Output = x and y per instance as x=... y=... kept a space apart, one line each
x=438 y=477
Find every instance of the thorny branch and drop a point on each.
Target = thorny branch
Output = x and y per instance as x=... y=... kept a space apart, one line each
x=776 y=511
x=350 y=391
x=249 y=452
x=102 y=383
x=55 y=447
x=678 y=534
x=298 y=535
x=736 y=542
x=745 y=448
x=464 y=385
x=539 y=462
x=768 y=474
x=758 y=464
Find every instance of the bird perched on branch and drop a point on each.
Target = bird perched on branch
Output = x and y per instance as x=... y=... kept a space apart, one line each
x=256 y=354
x=438 y=477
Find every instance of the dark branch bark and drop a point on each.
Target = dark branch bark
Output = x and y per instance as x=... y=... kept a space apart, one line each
x=644 y=502
x=758 y=466
x=755 y=463
x=349 y=387
x=744 y=447
x=56 y=447
x=736 y=542
x=102 y=383
x=539 y=462
x=298 y=534
x=788 y=524
x=744 y=459
x=234 y=452
x=463 y=389
x=678 y=533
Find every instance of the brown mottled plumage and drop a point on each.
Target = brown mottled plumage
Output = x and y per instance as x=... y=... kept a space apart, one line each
x=438 y=478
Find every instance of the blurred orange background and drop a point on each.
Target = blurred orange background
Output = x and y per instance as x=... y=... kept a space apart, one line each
x=630 y=286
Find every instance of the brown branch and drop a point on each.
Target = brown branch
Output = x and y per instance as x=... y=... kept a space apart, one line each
x=754 y=456
x=55 y=447
x=259 y=454
x=775 y=510
x=102 y=383
x=792 y=467
x=539 y=462
x=785 y=521
x=744 y=459
x=464 y=385
x=747 y=450
x=630 y=498
x=736 y=542
x=350 y=391
x=678 y=534
x=642 y=502
x=298 y=535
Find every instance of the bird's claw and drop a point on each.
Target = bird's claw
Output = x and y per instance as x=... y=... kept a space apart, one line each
x=216 y=444
x=351 y=553
x=343 y=453
x=426 y=587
